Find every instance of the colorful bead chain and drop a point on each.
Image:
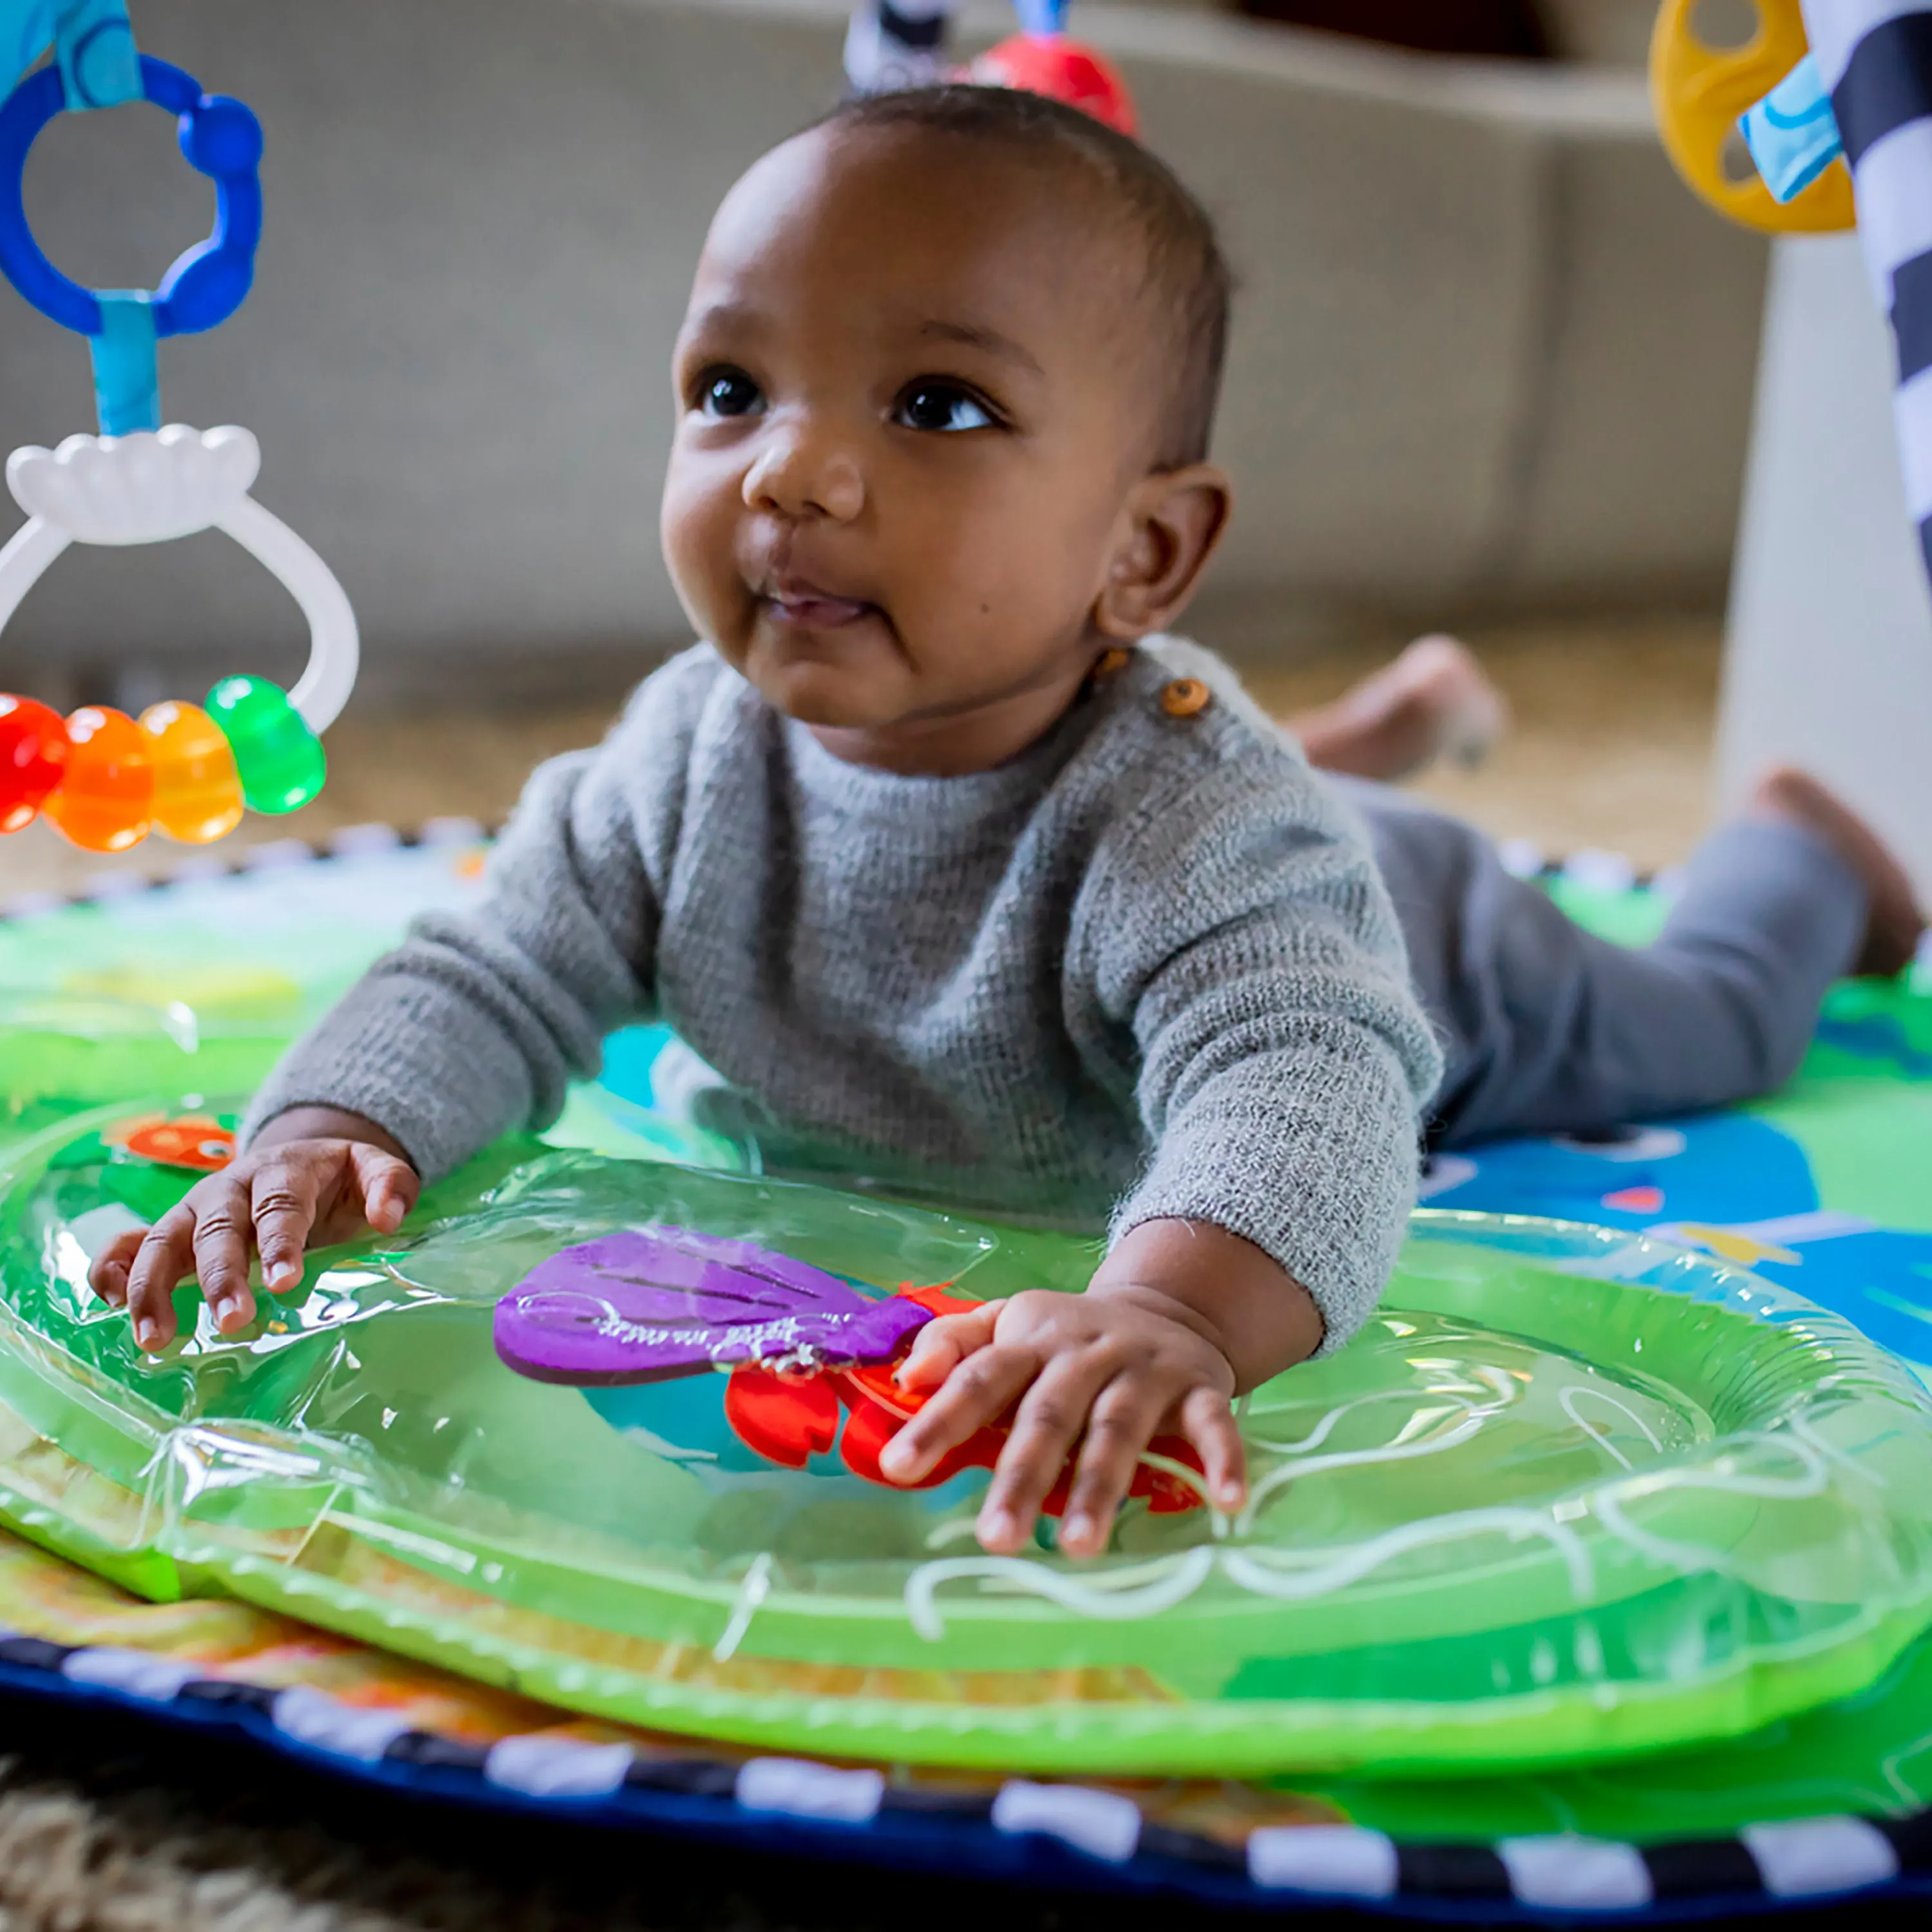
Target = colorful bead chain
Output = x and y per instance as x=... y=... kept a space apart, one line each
x=105 y=781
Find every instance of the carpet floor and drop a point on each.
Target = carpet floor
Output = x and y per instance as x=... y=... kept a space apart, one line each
x=1610 y=747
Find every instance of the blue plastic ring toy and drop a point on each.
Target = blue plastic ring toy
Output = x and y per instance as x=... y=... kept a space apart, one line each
x=219 y=137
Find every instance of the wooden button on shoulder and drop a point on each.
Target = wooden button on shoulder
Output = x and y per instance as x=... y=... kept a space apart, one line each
x=1185 y=697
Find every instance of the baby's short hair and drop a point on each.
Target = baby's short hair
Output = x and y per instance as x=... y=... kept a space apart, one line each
x=1187 y=272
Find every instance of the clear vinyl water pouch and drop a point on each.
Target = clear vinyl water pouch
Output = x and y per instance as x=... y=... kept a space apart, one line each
x=608 y=1430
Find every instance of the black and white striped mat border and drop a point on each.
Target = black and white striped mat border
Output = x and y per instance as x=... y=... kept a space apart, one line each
x=1600 y=871
x=351 y=842
x=846 y=1813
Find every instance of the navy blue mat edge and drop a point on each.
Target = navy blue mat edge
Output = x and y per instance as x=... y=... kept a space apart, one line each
x=1066 y=1837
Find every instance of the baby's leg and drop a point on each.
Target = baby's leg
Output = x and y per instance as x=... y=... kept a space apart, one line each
x=1435 y=700
x=1553 y=1031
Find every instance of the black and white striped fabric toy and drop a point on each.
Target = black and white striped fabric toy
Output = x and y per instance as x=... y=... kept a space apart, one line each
x=1874 y=58
x=896 y=43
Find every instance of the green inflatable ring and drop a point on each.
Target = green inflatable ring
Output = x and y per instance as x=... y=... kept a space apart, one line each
x=1572 y=1494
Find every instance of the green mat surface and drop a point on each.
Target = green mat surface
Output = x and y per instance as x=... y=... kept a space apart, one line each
x=1825 y=1188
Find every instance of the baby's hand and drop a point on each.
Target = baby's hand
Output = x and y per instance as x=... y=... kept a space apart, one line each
x=1104 y=1372
x=276 y=1197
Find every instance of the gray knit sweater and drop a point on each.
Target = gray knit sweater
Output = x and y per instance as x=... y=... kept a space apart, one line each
x=1146 y=970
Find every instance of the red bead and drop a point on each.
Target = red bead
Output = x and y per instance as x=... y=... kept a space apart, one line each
x=33 y=755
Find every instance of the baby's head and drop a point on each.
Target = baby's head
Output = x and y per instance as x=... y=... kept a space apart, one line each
x=944 y=391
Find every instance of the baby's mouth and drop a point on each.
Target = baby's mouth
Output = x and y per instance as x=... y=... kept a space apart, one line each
x=800 y=605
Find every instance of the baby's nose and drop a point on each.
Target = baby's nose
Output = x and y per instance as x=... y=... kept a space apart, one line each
x=803 y=471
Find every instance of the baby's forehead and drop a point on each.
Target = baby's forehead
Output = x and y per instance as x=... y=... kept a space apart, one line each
x=940 y=204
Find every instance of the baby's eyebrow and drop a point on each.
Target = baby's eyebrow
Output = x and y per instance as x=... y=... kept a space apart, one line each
x=719 y=315
x=976 y=335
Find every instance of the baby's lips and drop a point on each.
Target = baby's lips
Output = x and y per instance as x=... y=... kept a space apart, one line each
x=826 y=614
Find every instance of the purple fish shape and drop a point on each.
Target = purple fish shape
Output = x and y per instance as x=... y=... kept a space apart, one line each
x=648 y=1304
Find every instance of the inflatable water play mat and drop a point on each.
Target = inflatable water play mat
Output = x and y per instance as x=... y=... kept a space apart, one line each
x=600 y=1427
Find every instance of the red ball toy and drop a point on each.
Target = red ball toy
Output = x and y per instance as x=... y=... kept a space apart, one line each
x=1063 y=69
x=33 y=756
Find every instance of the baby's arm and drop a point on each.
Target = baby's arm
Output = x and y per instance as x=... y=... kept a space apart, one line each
x=1245 y=940
x=473 y=1026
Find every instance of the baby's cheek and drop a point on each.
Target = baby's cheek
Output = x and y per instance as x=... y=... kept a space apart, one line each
x=697 y=527
x=990 y=609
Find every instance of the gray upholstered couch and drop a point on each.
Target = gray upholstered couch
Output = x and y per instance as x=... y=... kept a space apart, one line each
x=1488 y=351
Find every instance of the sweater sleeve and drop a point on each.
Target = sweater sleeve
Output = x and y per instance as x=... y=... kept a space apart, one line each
x=477 y=1024
x=1284 y=1059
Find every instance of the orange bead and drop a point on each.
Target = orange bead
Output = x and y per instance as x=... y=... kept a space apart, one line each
x=197 y=794
x=105 y=797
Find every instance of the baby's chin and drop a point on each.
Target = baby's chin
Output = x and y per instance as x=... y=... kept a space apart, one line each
x=840 y=690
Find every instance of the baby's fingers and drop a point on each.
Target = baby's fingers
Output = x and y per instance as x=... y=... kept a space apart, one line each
x=224 y=1232
x=108 y=1275
x=1124 y=1419
x=1207 y=1420
x=282 y=1202
x=166 y=1254
x=940 y=1346
x=388 y=1186
x=980 y=1388
x=1052 y=1418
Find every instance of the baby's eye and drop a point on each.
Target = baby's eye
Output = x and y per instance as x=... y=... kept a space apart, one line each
x=727 y=392
x=940 y=405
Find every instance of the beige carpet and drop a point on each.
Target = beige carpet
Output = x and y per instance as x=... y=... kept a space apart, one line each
x=105 y=1827
x=1611 y=744
x=1610 y=748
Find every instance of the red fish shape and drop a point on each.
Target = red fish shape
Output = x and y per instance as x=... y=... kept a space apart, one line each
x=789 y=1418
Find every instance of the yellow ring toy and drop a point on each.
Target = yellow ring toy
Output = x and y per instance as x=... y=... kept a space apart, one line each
x=1698 y=92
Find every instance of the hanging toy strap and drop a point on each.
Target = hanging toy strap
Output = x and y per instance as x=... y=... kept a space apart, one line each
x=93 y=44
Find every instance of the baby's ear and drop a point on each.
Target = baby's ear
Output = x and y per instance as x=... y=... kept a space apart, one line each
x=1169 y=531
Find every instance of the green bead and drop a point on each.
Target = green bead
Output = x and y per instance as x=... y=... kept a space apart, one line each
x=277 y=757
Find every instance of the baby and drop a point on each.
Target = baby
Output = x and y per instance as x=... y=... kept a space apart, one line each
x=969 y=881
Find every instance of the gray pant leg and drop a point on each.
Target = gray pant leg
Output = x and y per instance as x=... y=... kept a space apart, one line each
x=1550 y=1030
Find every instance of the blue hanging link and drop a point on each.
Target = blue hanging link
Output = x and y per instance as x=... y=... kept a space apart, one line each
x=1041 y=18
x=219 y=137
x=96 y=64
